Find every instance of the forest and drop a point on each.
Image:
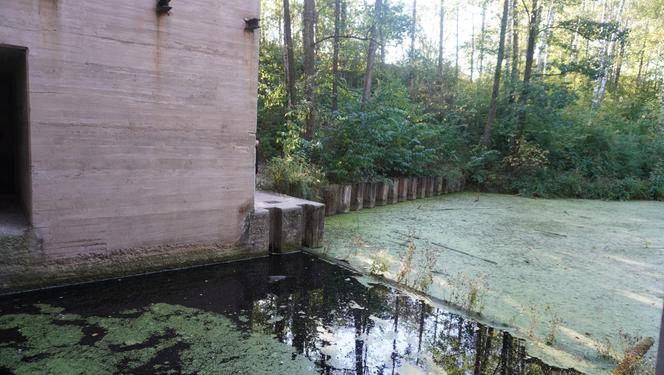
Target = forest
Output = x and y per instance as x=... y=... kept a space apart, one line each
x=544 y=98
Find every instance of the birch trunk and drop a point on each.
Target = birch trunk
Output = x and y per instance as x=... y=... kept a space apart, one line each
x=335 y=55
x=441 y=37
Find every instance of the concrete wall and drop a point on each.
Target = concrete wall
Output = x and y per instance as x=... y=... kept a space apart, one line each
x=142 y=127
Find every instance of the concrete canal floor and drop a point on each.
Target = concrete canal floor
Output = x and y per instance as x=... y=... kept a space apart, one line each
x=580 y=279
x=289 y=314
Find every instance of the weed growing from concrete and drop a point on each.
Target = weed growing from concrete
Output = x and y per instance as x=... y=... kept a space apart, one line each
x=554 y=325
x=380 y=263
x=468 y=292
x=425 y=278
x=535 y=319
x=406 y=263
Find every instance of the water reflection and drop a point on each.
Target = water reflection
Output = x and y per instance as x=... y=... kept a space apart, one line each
x=322 y=311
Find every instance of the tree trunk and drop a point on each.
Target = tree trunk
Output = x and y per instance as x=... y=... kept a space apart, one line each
x=515 y=50
x=456 y=55
x=486 y=138
x=508 y=41
x=335 y=56
x=472 y=52
x=413 y=29
x=661 y=108
x=308 y=21
x=290 y=58
x=411 y=51
x=482 y=40
x=543 y=52
x=619 y=63
x=606 y=59
x=441 y=37
x=371 y=53
x=533 y=26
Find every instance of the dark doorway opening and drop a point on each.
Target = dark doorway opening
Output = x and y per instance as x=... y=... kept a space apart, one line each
x=15 y=189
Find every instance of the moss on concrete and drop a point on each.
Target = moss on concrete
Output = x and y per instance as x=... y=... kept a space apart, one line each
x=576 y=274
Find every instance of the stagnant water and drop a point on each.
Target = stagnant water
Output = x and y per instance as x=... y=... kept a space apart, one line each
x=287 y=314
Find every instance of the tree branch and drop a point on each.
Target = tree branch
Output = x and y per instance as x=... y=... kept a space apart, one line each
x=347 y=37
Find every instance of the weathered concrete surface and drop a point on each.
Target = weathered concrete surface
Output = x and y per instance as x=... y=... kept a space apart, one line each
x=369 y=195
x=142 y=127
x=331 y=199
x=584 y=270
x=294 y=222
x=421 y=187
x=403 y=188
x=430 y=190
x=438 y=187
x=344 y=199
x=382 y=193
x=393 y=193
x=357 y=196
x=412 y=188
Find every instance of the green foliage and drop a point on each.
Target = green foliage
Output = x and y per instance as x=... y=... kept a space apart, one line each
x=292 y=175
x=426 y=120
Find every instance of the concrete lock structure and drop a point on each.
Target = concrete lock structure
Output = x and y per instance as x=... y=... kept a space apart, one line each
x=128 y=139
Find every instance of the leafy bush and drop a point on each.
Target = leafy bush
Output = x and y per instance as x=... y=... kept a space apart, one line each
x=294 y=176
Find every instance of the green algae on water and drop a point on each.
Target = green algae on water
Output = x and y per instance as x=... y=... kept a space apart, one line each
x=204 y=342
x=592 y=269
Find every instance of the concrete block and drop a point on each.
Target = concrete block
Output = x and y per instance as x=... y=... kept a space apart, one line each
x=256 y=235
x=314 y=225
x=286 y=228
x=438 y=188
x=382 y=193
x=369 y=195
x=430 y=186
x=393 y=191
x=344 y=199
x=331 y=199
x=421 y=187
x=357 y=196
x=403 y=188
x=412 y=188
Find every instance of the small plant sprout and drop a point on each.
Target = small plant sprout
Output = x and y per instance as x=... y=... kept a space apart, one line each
x=380 y=263
x=554 y=325
x=425 y=279
x=406 y=263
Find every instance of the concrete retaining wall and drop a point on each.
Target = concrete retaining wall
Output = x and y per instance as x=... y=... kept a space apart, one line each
x=353 y=197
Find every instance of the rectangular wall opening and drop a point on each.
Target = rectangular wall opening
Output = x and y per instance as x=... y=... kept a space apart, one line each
x=15 y=185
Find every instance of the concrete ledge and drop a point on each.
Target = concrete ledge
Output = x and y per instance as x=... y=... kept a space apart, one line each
x=36 y=270
x=331 y=198
x=294 y=222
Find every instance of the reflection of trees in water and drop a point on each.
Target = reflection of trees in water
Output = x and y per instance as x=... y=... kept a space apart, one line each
x=374 y=331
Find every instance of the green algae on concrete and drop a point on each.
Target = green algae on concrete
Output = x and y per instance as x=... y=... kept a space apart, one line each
x=51 y=342
x=573 y=276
